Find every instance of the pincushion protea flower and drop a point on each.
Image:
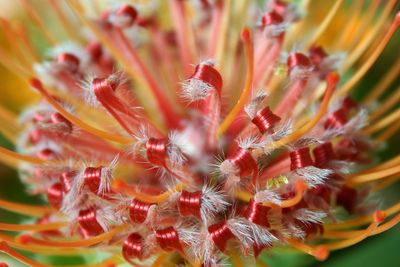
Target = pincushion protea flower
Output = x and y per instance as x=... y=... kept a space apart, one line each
x=170 y=133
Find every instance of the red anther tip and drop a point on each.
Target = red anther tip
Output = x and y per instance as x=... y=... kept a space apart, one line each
x=55 y=195
x=243 y=160
x=189 y=203
x=246 y=35
x=118 y=184
x=298 y=59
x=317 y=54
x=70 y=60
x=46 y=154
x=92 y=178
x=220 y=234
x=397 y=19
x=300 y=158
x=128 y=10
x=271 y=18
x=323 y=154
x=168 y=239
x=379 y=216
x=139 y=210
x=279 y=7
x=3 y=264
x=25 y=239
x=133 y=247
x=265 y=120
x=36 y=83
x=58 y=118
x=209 y=75
x=257 y=213
x=4 y=246
x=321 y=253
x=88 y=221
x=95 y=50
x=156 y=151
x=333 y=78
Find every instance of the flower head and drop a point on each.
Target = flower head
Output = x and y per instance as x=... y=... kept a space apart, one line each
x=170 y=128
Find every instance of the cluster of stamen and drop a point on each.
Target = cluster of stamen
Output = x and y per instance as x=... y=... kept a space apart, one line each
x=155 y=181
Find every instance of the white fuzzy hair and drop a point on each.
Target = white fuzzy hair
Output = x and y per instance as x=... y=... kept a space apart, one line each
x=314 y=176
x=212 y=202
x=308 y=216
x=252 y=107
x=268 y=196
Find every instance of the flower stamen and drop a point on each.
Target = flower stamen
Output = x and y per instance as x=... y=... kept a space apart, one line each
x=102 y=134
x=31 y=227
x=79 y=243
x=371 y=59
x=120 y=186
x=244 y=97
x=6 y=249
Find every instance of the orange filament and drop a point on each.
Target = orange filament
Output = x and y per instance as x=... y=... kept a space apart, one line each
x=366 y=41
x=387 y=164
x=385 y=183
x=13 y=44
x=36 y=211
x=79 y=11
x=215 y=29
x=122 y=187
x=42 y=250
x=349 y=234
x=353 y=22
x=9 y=126
x=389 y=132
x=384 y=83
x=382 y=123
x=388 y=225
x=34 y=16
x=356 y=238
x=160 y=260
x=321 y=252
x=12 y=253
x=79 y=243
x=371 y=59
x=386 y=105
x=102 y=134
x=20 y=157
x=244 y=97
x=21 y=32
x=363 y=219
x=300 y=189
x=109 y=262
x=235 y=258
x=184 y=34
x=363 y=23
x=332 y=81
x=363 y=178
x=168 y=112
x=261 y=263
x=12 y=65
x=69 y=28
x=223 y=33
x=31 y=227
x=325 y=23
x=243 y=195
